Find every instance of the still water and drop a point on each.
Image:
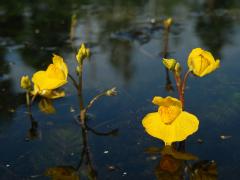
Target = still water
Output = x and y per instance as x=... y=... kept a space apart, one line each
x=126 y=41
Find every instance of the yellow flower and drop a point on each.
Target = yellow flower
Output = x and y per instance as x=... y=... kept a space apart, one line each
x=45 y=82
x=169 y=63
x=83 y=53
x=170 y=123
x=25 y=83
x=201 y=62
x=167 y=23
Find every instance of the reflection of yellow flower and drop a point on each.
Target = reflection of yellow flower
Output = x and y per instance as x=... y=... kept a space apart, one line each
x=25 y=83
x=62 y=173
x=169 y=150
x=83 y=53
x=46 y=106
x=170 y=123
x=45 y=82
x=202 y=62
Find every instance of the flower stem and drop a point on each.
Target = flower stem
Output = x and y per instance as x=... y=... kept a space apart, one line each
x=80 y=94
x=183 y=86
x=178 y=83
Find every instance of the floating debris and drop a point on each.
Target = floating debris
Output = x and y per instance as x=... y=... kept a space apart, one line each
x=72 y=109
x=200 y=141
x=106 y=152
x=223 y=137
x=37 y=31
x=124 y=174
x=111 y=168
x=12 y=110
x=152 y=158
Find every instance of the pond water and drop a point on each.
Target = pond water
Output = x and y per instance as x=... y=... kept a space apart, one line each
x=126 y=42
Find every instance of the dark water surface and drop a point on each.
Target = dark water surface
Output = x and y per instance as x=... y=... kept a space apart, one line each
x=126 y=41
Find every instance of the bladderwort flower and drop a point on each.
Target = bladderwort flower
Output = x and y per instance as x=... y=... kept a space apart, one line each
x=46 y=82
x=170 y=123
x=202 y=62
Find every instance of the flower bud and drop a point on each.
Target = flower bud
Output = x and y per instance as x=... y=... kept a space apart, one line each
x=83 y=53
x=178 y=68
x=169 y=63
x=167 y=23
x=25 y=83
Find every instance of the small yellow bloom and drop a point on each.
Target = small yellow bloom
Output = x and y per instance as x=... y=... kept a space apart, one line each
x=169 y=63
x=201 y=62
x=45 y=82
x=170 y=123
x=83 y=53
x=167 y=23
x=25 y=83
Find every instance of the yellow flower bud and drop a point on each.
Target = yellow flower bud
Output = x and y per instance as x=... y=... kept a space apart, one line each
x=201 y=62
x=167 y=23
x=178 y=69
x=83 y=53
x=25 y=83
x=78 y=70
x=169 y=63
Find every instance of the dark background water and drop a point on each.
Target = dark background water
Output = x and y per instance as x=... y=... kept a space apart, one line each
x=126 y=52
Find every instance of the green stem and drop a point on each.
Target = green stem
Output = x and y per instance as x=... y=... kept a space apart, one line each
x=74 y=81
x=80 y=94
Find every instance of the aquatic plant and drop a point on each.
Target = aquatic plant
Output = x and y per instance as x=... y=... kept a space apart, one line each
x=170 y=123
x=46 y=84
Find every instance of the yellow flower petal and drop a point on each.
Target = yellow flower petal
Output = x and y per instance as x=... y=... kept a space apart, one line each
x=169 y=108
x=201 y=62
x=44 y=82
x=52 y=94
x=183 y=126
x=58 y=62
x=167 y=101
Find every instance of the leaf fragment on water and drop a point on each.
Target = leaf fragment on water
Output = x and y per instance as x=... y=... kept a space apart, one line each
x=223 y=137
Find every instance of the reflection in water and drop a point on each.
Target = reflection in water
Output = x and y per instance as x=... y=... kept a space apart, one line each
x=85 y=167
x=120 y=58
x=167 y=27
x=33 y=132
x=178 y=164
x=215 y=30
